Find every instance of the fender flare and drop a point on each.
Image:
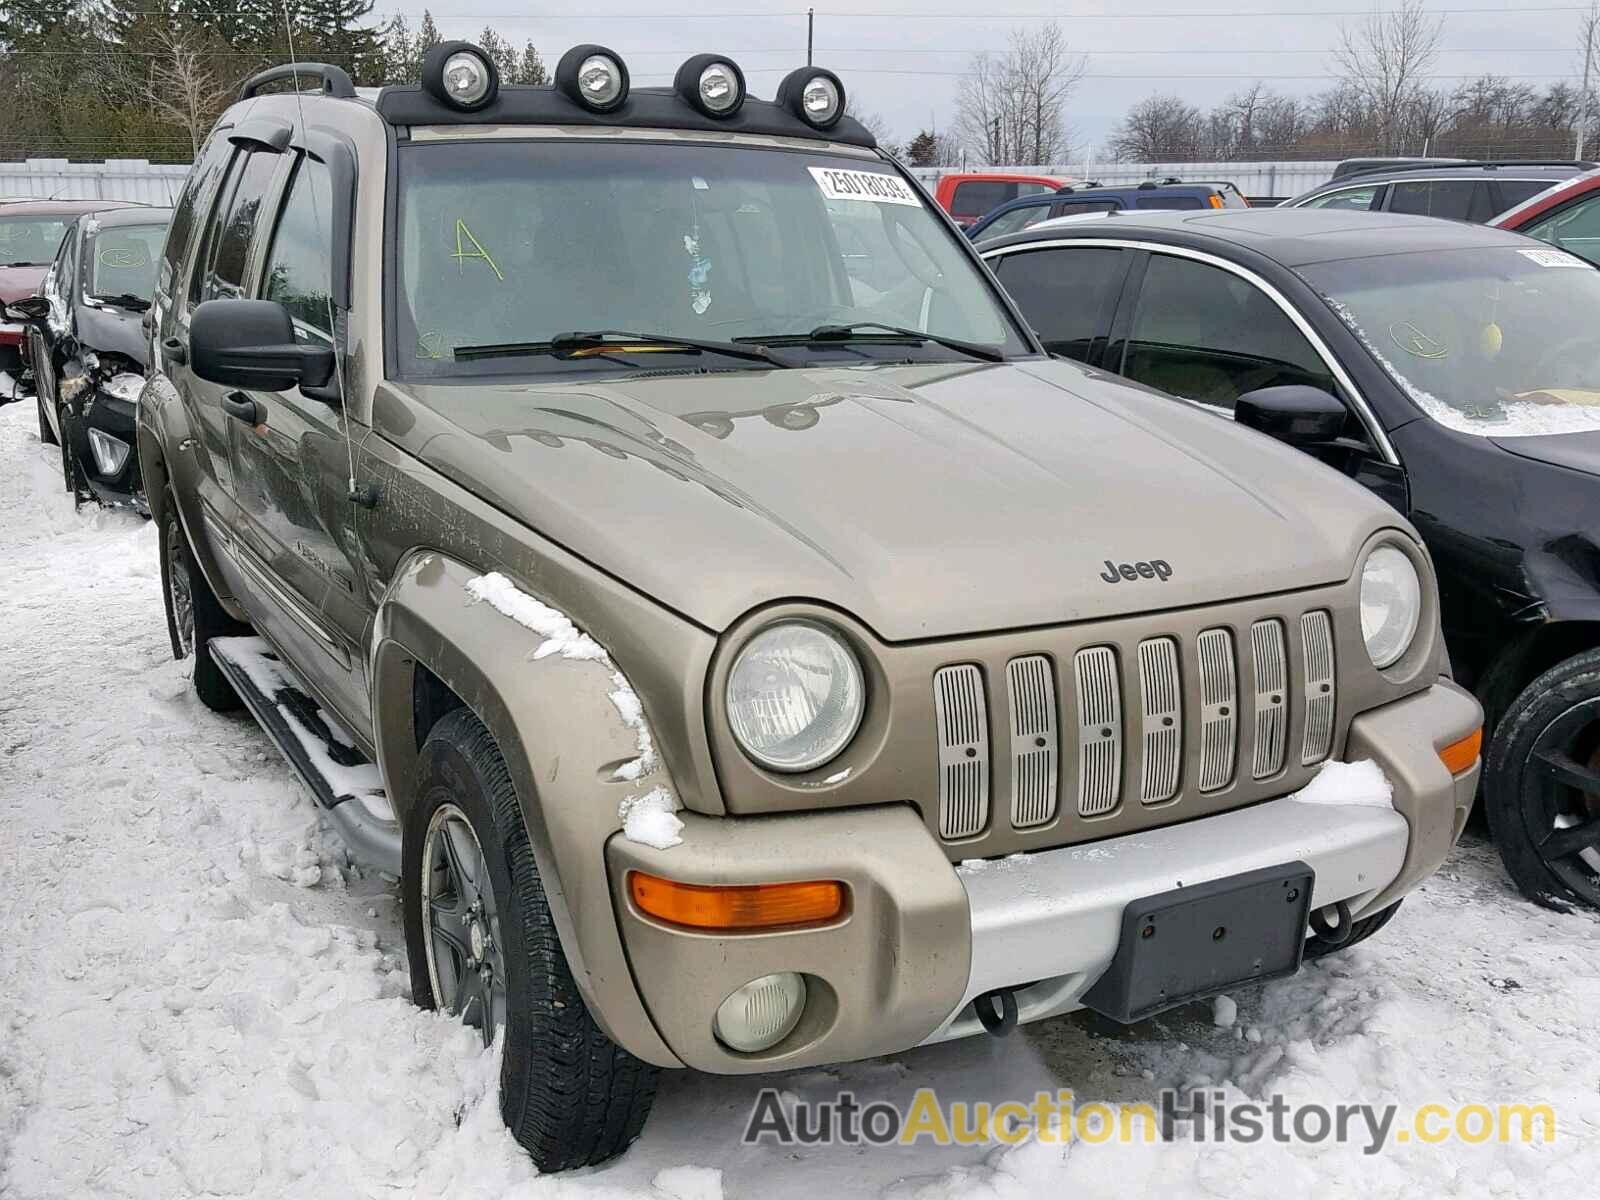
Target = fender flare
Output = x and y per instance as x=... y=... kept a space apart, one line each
x=563 y=739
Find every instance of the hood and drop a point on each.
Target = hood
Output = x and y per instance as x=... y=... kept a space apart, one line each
x=926 y=500
x=109 y=329
x=18 y=282
x=1575 y=451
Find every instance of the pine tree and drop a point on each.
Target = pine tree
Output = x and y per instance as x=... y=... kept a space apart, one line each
x=338 y=31
x=500 y=52
x=532 y=72
x=427 y=36
x=401 y=61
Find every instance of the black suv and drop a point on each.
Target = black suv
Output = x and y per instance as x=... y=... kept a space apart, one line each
x=1476 y=192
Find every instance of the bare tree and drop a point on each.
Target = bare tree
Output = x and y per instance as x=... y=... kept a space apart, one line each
x=1010 y=106
x=1385 y=59
x=1160 y=129
x=181 y=83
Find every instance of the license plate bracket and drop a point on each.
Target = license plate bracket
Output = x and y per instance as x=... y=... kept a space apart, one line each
x=1195 y=942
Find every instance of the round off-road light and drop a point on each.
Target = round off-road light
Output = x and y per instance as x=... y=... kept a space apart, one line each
x=814 y=95
x=461 y=75
x=761 y=1013
x=1391 y=604
x=711 y=83
x=593 y=76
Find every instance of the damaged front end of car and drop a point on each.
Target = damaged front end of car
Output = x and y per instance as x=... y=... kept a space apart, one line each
x=99 y=395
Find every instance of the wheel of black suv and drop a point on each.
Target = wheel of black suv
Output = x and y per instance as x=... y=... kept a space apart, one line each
x=194 y=615
x=46 y=434
x=482 y=946
x=1360 y=930
x=1542 y=788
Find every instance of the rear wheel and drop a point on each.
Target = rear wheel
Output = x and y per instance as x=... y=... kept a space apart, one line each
x=194 y=615
x=1542 y=786
x=483 y=946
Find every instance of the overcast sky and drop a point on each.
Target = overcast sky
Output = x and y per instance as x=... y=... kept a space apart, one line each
x=902 y=60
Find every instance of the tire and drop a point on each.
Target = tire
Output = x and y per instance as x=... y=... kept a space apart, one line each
x=194 y=615
x=1542 y=786
x=46 y=434
x=1363 y=928
x=569 y=1095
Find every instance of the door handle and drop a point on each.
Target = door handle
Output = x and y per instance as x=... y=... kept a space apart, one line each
x=242 y=408
x=175 y=350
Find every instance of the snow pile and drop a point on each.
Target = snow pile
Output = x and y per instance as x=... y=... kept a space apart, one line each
x=1361 y=783
x=560 y=635
x=651 y=819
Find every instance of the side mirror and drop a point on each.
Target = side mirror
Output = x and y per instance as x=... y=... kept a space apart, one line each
x=1293 y=413
x=29 y=308
x=250 y=344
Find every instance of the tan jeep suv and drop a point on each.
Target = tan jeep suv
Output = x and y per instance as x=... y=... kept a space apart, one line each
x=653 y=537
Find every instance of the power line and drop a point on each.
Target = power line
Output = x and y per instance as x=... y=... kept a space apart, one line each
x=798 y=14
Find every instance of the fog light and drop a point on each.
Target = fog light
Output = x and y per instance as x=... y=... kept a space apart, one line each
x=109 y=453
x=761 y=1013
x=593 y=76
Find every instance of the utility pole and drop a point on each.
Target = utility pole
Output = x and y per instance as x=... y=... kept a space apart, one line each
x=811 y=29
x=1583 y=95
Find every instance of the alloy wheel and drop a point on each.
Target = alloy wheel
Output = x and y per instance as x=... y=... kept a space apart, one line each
x=466 y=963
x=1562 y=808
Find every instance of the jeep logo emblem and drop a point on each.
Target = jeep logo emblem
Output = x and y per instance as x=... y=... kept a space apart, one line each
x=1155 y=568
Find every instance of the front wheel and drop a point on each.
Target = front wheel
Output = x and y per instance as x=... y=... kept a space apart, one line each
x=483 y=947
x=1542 y=785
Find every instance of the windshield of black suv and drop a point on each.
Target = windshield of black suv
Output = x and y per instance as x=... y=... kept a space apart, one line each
x=1494 y=341
x=510 y=244
x=122 y=261
x=31 y=241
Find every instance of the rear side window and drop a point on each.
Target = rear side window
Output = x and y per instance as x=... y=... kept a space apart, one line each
x=979 y=196
x=1168 y=202
x=1065 y=293
x=1079 y=207
x=1452 y=199
x=298 y=274
x=186 y=213
x=1017 y=219
x=1360 y=198
x=1575 y=228
x=1206 y=334
x=1514 y=191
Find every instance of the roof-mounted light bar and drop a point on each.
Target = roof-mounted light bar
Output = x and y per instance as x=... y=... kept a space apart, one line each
x=461 y=75
x=712 y=83
x=814 y=95
x=593 y=76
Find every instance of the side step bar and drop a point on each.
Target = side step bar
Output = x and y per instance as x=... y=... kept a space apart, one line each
x=345 y=785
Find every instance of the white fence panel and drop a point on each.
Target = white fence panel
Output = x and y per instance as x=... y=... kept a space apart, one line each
x=115 y=179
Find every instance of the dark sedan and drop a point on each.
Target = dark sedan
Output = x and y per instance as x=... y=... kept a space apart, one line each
x=89 y=350
x=1451 y=368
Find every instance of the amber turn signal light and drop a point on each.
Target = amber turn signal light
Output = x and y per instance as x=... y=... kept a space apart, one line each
x=1458 y=756
x=731 y=909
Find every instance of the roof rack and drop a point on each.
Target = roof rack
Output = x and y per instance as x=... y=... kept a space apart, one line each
x=335 y=81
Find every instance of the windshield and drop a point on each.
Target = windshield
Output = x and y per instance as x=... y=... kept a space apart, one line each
x=31 y=241
x=509 y=244
x=1490 y=341
x=123 y=261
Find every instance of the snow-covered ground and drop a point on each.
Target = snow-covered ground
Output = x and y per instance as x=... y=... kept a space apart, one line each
x=200 y=996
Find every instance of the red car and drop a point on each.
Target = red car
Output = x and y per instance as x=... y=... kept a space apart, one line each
x=30 y=234
x=1567 y=215
x=968 y=195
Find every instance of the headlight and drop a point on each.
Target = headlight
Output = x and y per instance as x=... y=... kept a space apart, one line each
x=795 y=696
x=1391 y=604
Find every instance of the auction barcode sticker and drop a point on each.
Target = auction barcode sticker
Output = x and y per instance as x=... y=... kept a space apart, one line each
x=839 y=184
x=1553 y=258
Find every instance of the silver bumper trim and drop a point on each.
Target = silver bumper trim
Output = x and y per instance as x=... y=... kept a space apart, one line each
x=1047 y=923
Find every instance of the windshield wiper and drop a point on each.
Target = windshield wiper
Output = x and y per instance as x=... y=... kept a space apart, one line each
x=614 y=340
x=125 y=300
x=857 y=331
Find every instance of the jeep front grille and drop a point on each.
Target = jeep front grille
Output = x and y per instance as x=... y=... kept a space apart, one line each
x=1031 y=689
x=963 y=750
x=1316 y=634
x=1174 y=716
x=1272 y=713
x=1099 y=730
x=1219 y=701
x=1163 y=720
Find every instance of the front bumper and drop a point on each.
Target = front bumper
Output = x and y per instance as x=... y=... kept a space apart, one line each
x=923 y=938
